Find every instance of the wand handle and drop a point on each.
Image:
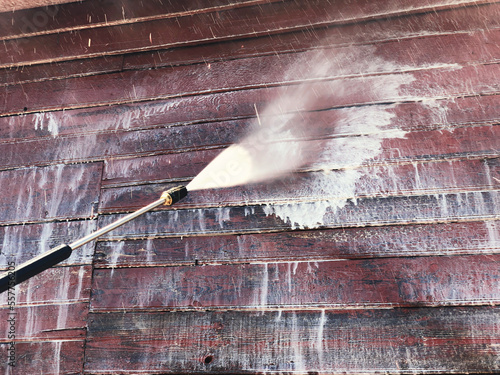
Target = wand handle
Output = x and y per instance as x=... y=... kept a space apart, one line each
x=50 y=258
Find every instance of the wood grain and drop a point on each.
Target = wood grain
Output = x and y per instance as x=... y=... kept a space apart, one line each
x=42 y=194
x=452 y=24
x=203 y=109
x=421 y=25
x=370 y=283
x=23 y=242
x=57 y=285
x=261 y=19
x=454 y=141
x=399 y=179
x=380 y=255
x=472 y=237
x=66 y=321
x=423 y=340
x=131 y=86
x=77 y=16
x=48 y=357
x=60 y=70
x=260 y=218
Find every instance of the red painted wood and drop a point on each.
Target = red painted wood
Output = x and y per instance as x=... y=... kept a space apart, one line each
x=75 y=16
x=347 y=243
x=231 y=75
x=421 y=25
x=420 y=145
x=468 y=19
x=23 y=242
x=421 y=229
x=381 y=180
x=262 y=218
x=198 y=28
x=60 y=70
x=55 y=286
x=38 y=194
x=421 y=340
x=390 y=282
x=65 y=321
x=47 y=357
x=230 y=105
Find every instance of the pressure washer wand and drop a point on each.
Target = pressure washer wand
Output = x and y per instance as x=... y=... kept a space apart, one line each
x=50 y=258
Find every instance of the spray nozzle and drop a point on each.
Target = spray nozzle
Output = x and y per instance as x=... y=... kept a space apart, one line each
x=174 y=195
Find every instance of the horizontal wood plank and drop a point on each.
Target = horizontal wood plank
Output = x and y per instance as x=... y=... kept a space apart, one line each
x=468 y=19
x=23 y=242
x=77 y=16
x=230 y=105
x=312 y=245
x=130 y=86
x=46 y=357
x=59 y=286
x=370 y=283
x=425 y=25
x=398 y=341
x=454 y=142
x=261 y=19
x=185 y=166
x=413 y=178
x=43 y=194
x=314 y=214
x=66 y=321
x=60 y=70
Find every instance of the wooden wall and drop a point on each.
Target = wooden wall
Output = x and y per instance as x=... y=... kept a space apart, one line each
x=380 y=255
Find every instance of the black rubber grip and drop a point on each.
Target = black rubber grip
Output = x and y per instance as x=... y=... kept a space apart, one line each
x=34 y=266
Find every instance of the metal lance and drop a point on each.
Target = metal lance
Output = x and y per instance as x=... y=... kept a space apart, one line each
x=56 y=255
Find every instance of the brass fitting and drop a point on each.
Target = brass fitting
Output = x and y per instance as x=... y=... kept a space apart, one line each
x=174 y=195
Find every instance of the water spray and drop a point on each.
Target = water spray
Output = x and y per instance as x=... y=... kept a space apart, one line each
x=62 y=252
x=277 y=145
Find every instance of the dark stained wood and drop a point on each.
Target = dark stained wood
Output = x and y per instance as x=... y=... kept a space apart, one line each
x=448 y=80
x=310 y=245
x=60 y=70
x=412 y=178
x=375 y=283
x=39 y=194
x=421 y=340
x=76 y=16
x=23 y=242
x=57 y=285
x=467 y=141
x=276 y=217
x=425 y=26
x=47 y=357
x=65 y=321
x=261 y=19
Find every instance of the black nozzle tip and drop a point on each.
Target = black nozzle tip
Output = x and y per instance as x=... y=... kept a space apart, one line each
x=175 y=194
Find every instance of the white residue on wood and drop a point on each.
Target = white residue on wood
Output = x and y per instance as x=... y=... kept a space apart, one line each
x=47 y=120
x=320 y=336
x=222 y=215
x=493 y=234
x=117 y=252
x=361 y=135
x=56 y=361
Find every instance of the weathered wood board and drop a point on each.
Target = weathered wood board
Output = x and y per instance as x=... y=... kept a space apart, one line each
x=378 y=255
x=419 y=340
